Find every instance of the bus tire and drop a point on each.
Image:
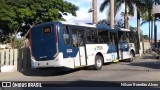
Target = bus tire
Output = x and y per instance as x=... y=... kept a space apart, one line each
x=98 y=62
x=131 y=56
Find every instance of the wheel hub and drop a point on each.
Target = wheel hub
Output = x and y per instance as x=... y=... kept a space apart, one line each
x=99 y=63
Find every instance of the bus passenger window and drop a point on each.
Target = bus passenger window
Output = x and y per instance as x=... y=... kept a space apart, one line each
x=91 y=36
x=74 y=38
x=103 y=36
x=80 y=38
x=66 y=35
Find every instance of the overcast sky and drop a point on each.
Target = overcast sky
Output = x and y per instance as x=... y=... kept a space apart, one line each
x=84 y=17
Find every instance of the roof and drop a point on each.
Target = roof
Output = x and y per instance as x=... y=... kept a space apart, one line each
x=79 y=24
x=123 y=29
x=98 y=26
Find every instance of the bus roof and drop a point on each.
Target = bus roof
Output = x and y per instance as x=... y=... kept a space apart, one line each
x=78 y=24
x=123 y=29
x=98 y=26
x=127 y=30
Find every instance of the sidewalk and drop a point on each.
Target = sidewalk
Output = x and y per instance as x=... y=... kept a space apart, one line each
x=7 y=75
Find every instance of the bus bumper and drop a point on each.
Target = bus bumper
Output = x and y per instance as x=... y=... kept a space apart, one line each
x=57 y=62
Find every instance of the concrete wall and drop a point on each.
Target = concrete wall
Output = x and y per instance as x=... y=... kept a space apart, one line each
x=147 y=46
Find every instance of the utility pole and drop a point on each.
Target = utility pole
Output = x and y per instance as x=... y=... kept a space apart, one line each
x=94 y=6
x=112 y=14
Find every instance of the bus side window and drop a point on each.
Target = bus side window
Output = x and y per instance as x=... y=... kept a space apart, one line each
x=103 y=36
x=74 y=38
x=80 y=38
x=66 y=38
x=91 y=36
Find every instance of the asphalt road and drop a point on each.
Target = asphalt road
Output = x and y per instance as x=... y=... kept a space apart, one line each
x=141 y=69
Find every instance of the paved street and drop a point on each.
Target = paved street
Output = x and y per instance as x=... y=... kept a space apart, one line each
x=141 y=69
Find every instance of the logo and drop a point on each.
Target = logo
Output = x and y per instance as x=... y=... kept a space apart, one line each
x=6 y=84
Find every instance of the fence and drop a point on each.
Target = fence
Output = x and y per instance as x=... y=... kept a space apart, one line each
x=16 y=59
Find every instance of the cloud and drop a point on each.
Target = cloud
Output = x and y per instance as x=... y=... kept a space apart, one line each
x=82 y=13
x=84 y=17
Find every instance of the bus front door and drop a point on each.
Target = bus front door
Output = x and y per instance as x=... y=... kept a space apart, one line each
x=114 y=46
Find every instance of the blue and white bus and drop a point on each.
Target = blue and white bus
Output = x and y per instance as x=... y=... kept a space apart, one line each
x=73 y=45
x=128 y=44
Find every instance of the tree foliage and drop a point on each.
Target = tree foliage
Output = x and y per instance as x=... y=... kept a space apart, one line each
x=145 y=37
x=118 y=23
x=19 y=15
x=118 y=4
x=144 y=7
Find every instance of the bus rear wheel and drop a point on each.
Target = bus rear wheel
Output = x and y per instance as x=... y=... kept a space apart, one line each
x=98 y=62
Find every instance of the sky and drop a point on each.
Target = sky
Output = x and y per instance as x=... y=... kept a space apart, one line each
x=84 y=17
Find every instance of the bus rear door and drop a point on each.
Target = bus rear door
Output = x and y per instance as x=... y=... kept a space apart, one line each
x=78 y=48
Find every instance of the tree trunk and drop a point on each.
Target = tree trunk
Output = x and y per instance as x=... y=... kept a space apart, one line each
x=155 y=32
x=126 y=17
x=149 y=32
x=112 y=13
x=94 y=6
x=138 y=31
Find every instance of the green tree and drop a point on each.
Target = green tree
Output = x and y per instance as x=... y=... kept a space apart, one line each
x=133 y=28
x=141 y=6
x=145 y=37
x=148 y=17
x=20 y=15
x=129 y=4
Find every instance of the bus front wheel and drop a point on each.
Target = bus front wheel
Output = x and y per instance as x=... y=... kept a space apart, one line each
x=131 y=56
x=98 y=62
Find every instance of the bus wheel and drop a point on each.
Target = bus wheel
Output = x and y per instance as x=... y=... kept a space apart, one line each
x=131 y=56
x=98 y=62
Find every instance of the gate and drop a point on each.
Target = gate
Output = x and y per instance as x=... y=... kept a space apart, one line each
x=14 y=60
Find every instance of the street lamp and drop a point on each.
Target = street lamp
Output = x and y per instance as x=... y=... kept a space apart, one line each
x=91 y=11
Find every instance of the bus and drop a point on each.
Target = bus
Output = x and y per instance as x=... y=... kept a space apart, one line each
x=128 y=44
x=74 y=45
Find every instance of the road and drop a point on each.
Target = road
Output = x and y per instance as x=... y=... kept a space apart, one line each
x=141 y=69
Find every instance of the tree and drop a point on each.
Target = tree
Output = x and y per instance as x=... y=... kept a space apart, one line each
x=133 y=28
x=145 y=37
x=143 y=6
x=147 y=17
x=20 y=15
x=128 y=5
x=118 y=23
